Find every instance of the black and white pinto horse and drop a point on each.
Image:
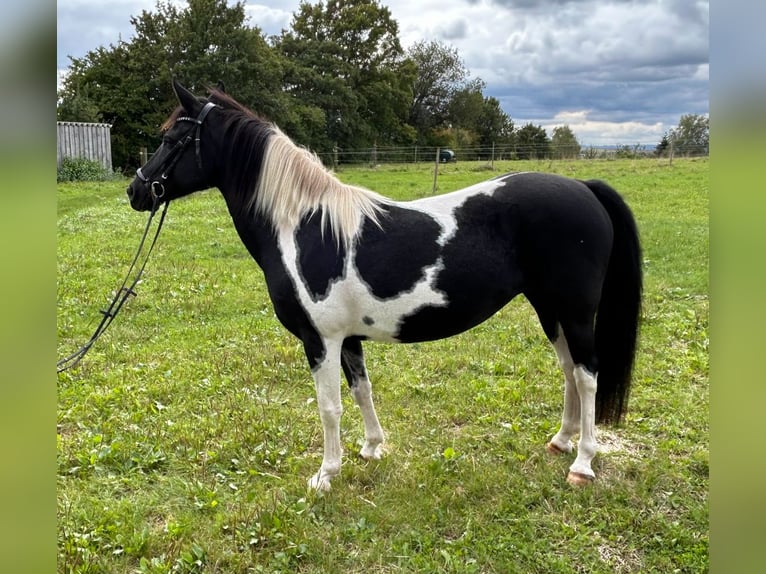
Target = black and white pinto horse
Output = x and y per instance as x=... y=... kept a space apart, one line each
x=343 y=264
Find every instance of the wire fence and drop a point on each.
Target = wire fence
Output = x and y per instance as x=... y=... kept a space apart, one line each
x=379 y=155
x=416 y=154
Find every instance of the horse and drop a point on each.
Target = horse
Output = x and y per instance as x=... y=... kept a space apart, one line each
x=343 y=264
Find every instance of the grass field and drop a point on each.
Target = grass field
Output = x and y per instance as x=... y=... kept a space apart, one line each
x=186 y=435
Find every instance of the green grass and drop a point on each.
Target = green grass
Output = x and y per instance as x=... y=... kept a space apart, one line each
x=186 y=436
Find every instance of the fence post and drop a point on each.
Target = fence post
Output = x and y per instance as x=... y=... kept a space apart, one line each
x=143 y=156
x=436 y=170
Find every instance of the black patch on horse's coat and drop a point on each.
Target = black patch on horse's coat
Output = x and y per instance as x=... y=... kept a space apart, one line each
x=392 y=258
x=369 y=321
x=352 y=361
x=479 y=273
x=536 y=234
x=321 y=259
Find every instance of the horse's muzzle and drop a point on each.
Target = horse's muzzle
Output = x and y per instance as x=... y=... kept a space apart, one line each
x=139 y=196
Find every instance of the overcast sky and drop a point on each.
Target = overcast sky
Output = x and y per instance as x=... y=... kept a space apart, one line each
x=615 y=71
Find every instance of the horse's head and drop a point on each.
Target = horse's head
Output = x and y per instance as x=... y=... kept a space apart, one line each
x=184 y=162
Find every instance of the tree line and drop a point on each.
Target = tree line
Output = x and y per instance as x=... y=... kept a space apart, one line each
x=337 y=78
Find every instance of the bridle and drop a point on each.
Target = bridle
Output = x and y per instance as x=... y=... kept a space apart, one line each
x=157 y=187
x=157 y=190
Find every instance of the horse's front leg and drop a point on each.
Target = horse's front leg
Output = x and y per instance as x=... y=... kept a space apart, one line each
x=327 y=382
x=352 y=361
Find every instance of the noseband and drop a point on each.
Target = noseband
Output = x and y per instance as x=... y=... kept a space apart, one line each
x=156 y=186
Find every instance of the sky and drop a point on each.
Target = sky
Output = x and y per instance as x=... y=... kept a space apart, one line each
x=617 y=72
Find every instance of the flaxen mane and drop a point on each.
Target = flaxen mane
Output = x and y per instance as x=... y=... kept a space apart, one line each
x=286 y=182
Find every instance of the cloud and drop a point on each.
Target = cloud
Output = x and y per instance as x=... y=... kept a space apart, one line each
x=457 y=29
x=269 y=19
x=596 y=133
x=85 y=25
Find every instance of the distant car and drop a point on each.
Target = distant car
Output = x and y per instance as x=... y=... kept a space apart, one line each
x=447 y=155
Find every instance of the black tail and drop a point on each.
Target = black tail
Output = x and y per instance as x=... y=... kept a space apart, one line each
x=619 y=310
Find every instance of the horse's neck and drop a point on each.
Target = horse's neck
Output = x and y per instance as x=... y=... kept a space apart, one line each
x=255 y=230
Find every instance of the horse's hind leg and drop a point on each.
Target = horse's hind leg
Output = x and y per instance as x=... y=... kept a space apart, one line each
x=352 y=361
x=570 y=418
x=574 y=343
x=580 y=343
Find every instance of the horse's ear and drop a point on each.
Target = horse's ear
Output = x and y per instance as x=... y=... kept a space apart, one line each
x=188 y=101
x=220 y=87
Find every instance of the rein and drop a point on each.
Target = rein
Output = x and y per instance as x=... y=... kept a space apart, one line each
x=123 y=292
x=157 y=190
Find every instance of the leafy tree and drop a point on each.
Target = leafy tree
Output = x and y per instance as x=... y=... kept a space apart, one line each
x=692 y=135
x=532 y=142
x=440 y=73
x=493 y=125
x=130 y=83
x=564 y=144
x=346 y=60
x=466 y=105
x=662 y=148
x=78 y=107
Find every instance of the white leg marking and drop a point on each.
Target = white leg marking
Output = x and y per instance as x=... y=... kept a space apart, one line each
x=327 y=382
x=586 y=448
x=373 y=433
x=570 y=418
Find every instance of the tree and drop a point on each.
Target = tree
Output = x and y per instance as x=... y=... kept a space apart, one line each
x=663 y=147
x=564 y=144
x=346 y=60
x=130 y=83
x=440 y=73
x=692 y=135
x=494 y=127
x=532 y=142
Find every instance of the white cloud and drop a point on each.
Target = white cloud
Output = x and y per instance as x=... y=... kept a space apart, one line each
x=596 y=133
x=271 y=20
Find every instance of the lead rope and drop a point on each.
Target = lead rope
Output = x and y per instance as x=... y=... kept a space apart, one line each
x=122 y=294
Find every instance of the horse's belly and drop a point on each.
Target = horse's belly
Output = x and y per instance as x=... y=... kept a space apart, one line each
x=430 y=323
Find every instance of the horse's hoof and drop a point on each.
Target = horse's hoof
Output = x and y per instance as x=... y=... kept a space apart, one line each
x=368 y=453
x=554 y=450
x=319 y=483
x=579 y=479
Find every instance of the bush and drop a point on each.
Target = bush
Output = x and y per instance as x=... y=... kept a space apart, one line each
x=82 y=169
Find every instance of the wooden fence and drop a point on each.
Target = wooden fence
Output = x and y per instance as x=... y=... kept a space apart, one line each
x=80 y=139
